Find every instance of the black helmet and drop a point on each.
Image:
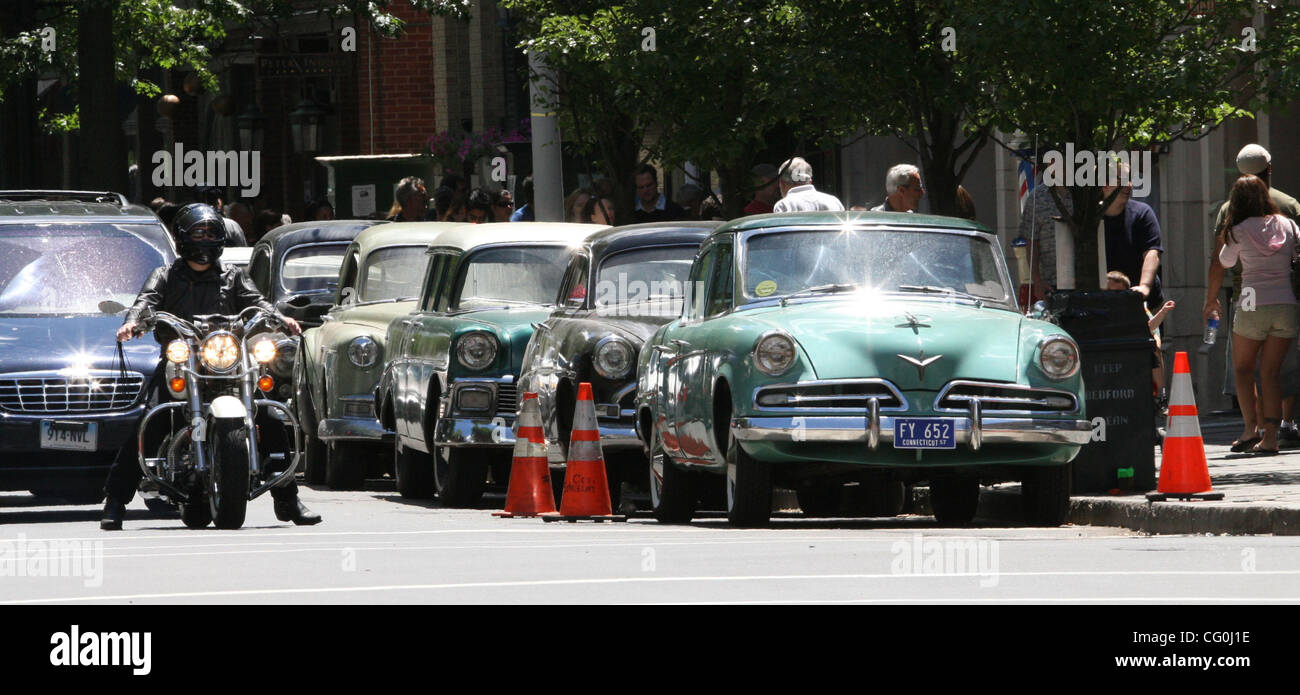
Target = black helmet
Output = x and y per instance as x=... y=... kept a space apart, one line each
x=200 y=233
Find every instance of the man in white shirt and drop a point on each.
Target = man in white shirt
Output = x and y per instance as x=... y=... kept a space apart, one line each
x=903 y=189
x=797 y=192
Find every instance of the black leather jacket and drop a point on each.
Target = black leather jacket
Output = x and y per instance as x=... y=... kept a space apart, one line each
x=178 y=289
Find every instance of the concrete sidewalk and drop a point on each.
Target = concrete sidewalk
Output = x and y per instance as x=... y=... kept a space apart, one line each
x=1261 y=495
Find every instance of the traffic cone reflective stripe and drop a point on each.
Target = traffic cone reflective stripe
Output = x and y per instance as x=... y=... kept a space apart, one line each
x=1183 y=468
x=586 y=487
x=529 y=492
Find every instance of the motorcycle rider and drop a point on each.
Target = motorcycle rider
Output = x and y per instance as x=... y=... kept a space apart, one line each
x=195 y=284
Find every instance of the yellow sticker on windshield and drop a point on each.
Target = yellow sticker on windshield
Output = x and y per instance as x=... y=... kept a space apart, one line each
x=765 y=288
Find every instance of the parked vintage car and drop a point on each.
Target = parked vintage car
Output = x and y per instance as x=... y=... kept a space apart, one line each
x=450 y=383
x=67 y=402
x=296 y=267
x=620 y=285
x=826 y=347
x=340 y=361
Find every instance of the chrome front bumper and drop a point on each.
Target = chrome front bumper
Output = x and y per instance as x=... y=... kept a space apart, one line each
x=475 y=431
x=353 y=429
x=972 y=432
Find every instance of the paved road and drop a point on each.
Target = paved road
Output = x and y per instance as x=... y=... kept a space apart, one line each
x=375 y=547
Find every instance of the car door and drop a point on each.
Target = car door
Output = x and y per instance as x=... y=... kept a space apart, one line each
x=414 y=372
x=673 y=350
x=696 y=366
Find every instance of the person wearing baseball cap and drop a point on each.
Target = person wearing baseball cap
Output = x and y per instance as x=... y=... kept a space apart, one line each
x=1253 y=160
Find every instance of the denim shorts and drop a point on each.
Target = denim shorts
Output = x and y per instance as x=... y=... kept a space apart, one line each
x=1268 y=321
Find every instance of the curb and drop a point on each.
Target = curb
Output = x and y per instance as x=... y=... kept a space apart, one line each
x=1136 y=514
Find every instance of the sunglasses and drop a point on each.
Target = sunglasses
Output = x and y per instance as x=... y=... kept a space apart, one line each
x=206 y=234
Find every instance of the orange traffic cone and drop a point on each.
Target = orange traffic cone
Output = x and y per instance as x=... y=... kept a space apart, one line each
x=586 y=488
x=529 y=492
x=1184 y=474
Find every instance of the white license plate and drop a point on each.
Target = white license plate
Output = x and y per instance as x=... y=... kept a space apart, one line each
x=70 y=436
x=925 y=433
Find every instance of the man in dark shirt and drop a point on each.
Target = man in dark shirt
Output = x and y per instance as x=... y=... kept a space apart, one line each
x=651 y=205
x=1133 y=242
x=767 y=189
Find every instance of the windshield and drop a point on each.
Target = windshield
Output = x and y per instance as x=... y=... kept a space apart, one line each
x=57 y=270
x=309 y=269
x=394 y=273
x=644 y=274
x=786 y=263
x=528 y=274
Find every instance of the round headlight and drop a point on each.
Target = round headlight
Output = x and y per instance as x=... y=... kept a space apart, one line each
x=1058 y=358
x=363 y=351
x=476 y=350
x=613 y=358
x=178 y=351
x=220 y=352
x=774 y=354
x=264 y=350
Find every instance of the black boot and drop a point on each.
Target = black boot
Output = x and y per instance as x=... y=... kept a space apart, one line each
x=114 y=512
x=294 y=510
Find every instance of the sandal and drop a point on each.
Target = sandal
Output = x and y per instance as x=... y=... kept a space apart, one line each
x=1241 y=446
x=1264 y=452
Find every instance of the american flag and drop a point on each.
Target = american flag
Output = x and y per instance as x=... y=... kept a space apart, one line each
x=1025 y=176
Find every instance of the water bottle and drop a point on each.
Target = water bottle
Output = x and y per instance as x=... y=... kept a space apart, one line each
x=1212 y=329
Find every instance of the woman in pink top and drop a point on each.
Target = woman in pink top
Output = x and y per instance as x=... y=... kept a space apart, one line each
x=1264 y=324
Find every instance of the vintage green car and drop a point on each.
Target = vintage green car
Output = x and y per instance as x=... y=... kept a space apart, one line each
x=450 y=382
x=822 y=349
x=339 y=362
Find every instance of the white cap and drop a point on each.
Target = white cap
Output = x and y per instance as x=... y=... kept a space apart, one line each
x=1253 y=159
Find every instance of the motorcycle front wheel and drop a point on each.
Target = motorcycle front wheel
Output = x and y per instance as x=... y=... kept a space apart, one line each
x=229 y=476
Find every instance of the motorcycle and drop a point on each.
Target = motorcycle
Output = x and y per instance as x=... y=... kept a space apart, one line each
x=210 y=463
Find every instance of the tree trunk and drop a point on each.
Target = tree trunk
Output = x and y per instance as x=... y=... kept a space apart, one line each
x=103 y=151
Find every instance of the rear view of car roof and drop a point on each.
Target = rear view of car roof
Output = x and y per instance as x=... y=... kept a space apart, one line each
x=70 y=206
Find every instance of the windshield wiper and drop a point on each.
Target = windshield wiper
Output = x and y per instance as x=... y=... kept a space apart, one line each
x=932 y=289
x=830 y=288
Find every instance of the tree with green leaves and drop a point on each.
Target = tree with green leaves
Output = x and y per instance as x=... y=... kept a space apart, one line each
x=101 y=44
x=704 y=82
x=1114 y=76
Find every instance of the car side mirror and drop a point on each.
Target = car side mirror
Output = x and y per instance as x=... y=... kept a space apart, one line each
x=109 y=306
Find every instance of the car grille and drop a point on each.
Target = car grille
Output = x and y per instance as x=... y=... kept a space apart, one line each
x=59 y=394
x=830 y=395
x=507 y=398
x=1004 y=398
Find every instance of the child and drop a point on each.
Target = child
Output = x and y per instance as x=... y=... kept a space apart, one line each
x=1116 y=280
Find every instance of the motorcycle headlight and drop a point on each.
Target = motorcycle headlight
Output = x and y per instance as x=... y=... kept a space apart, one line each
x=178 y=352
x=774 y=354
x=1058 y=358
x=613 y=358
x=363 y=351
x=476 y=350
x=263 y=350
x=220 y=352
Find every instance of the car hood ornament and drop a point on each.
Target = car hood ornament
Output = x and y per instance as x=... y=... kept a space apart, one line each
x=913 y=322
x=920 y=362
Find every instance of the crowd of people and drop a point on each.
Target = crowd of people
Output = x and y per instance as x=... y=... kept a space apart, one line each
x=244 y=225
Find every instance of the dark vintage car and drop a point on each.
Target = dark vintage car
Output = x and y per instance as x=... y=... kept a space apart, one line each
x=296 y=267
x=67 y=402
x=620 y=286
